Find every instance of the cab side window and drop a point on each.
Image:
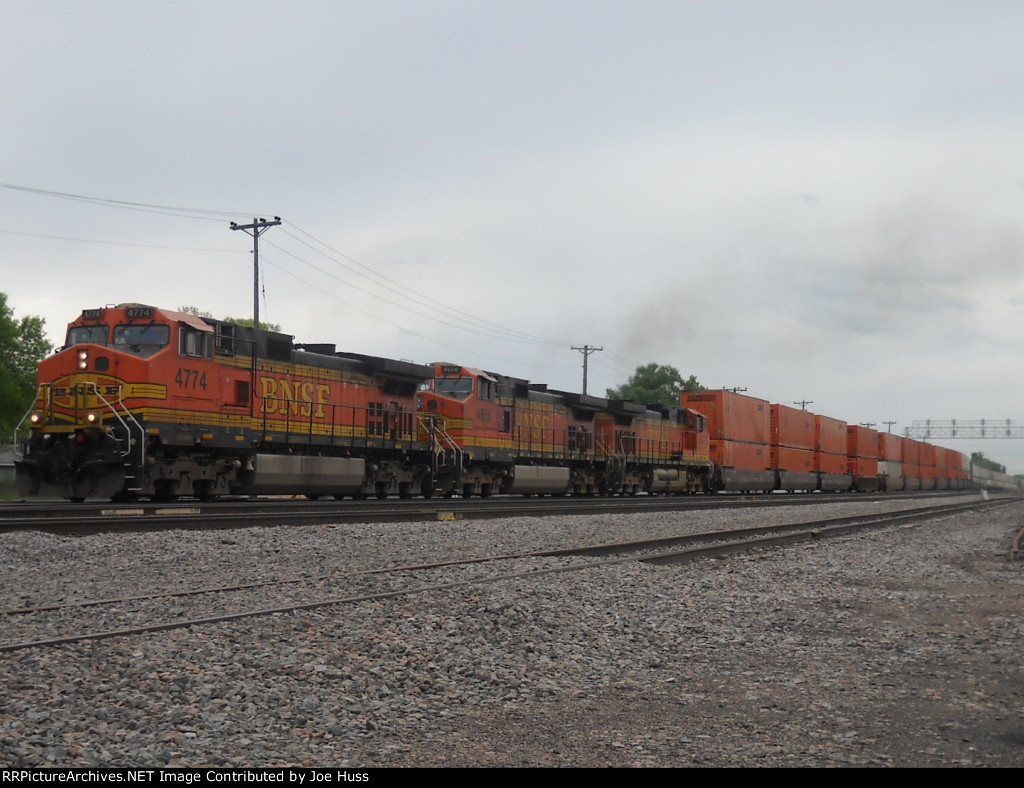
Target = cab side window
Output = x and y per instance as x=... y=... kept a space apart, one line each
x=194 y=343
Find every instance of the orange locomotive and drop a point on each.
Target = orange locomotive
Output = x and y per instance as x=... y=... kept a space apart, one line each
x=149 y=402
x=495 y=433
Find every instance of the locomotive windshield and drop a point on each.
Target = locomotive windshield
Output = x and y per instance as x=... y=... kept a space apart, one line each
x=144 y=340
x=87 y=335
x=457 y=388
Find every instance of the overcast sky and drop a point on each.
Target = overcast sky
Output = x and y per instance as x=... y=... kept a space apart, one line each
x=818 y=200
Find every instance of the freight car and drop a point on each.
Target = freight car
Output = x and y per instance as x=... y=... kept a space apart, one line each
x=758 y=446
x=987 y=479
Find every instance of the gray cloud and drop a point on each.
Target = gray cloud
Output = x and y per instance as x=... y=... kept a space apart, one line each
x=813 y=200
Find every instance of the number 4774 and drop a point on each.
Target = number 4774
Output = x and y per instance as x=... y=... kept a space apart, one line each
x=190 y=379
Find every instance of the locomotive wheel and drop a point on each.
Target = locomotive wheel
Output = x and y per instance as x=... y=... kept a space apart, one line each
x=163 y=492
x=204 y=490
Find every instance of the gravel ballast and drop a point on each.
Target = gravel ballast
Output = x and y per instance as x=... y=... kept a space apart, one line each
x=892 y=648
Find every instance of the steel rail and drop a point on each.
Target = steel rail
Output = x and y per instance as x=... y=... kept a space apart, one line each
x=720 y=543
x=79 y=519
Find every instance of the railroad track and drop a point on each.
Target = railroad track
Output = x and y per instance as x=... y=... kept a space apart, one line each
x=84 y=519
x=95 y=619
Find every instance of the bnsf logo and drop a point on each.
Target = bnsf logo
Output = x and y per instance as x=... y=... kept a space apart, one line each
x=299 y=398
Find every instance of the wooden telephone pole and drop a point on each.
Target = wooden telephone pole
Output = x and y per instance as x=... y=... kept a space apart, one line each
x=586 y=350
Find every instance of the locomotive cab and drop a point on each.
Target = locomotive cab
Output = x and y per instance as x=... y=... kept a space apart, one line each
x=89 y=427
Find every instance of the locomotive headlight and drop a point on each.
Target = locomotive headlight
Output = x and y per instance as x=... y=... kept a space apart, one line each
x=83 y=359
x=35 y=418
x=92 y=417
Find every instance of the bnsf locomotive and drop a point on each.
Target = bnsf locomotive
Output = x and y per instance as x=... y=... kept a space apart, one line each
x=149 y=402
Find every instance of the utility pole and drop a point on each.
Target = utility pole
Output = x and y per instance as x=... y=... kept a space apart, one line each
x=889 y=424
x=804 y=403
x=256 y=229
x=586 y=350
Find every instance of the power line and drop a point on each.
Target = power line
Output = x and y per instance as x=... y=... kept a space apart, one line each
x=119 y=243
x=457 y=318
x=512 y=335
x=189 y=213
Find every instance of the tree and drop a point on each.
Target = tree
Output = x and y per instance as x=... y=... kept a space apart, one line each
x=247 y=321
x=238 y=321
x=979 y=459
x=655 y=384
x=22 y=344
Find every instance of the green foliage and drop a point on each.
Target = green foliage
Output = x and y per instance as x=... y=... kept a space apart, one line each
x=193 y=310
x=238 y=321
x=22 y=344
x=247 y=321
x=655 y=384
x=979 y=459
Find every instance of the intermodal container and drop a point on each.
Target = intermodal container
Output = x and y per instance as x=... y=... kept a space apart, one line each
x=890 y=447
x=861 y=442
x=911 y=452
x=826 y=462
x=792 y=428
x=890 y=475
x=863 y=466
x=731 y=416
x=738 y=454
x=830 y=435
x=794 y=460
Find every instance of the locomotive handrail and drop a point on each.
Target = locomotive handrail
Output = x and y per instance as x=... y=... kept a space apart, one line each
x=433 y=429
x=127 y=428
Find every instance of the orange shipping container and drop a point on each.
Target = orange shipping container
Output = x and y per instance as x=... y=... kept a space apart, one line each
x=747 y=456
x=825 y=462
x=791 y=427
x=793 y=460
x=890 y=447
x=861 y=442
x=911 y=452
x=731 y=416
x=863 y=466
x=830 y=435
